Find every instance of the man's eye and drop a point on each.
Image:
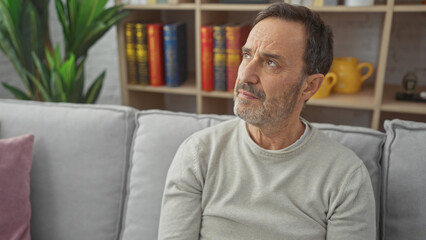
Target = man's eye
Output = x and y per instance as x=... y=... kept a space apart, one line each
x=271 y=63
x=246 y=55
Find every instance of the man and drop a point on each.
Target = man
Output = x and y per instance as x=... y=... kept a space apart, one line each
x=270 y=174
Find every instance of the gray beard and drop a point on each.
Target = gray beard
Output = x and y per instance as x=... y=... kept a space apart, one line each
x=271 y=110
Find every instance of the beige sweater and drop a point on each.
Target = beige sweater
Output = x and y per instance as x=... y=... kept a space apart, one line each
x=222 y=185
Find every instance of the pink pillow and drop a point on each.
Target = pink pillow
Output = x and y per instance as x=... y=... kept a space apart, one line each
x=15 y=208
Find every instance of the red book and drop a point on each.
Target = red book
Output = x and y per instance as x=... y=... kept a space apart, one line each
x=236 y=37
x=156 y=54
x=207 y=69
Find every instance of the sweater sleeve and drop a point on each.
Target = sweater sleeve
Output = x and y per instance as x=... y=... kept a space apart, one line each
x=181 y=206
x=354 y=216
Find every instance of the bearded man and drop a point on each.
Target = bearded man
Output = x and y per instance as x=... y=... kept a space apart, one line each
x=270 y=174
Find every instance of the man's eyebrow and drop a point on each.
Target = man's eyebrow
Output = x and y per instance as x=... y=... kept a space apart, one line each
x=245 y=49
x=265 y=55
x=271 y=55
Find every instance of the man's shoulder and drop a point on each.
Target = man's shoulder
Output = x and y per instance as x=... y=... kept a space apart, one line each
x=333 y=151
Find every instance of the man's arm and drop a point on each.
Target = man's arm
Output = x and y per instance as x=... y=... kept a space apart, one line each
x=354 y=216
x=181 y=207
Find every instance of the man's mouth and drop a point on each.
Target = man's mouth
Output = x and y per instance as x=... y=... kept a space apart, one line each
x=248 y=92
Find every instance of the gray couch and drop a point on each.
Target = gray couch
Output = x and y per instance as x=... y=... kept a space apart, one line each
x=98 y=171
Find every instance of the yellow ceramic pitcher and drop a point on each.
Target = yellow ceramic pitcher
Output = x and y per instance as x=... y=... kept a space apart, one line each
x=329 y=81
x=349 y=74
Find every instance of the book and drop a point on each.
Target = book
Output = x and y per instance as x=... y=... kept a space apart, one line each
x=207 y=70
x=219 y=57
x=155 y=54
x=236 y=36
x=142 y=54
x=132 y=74
x=175 y=54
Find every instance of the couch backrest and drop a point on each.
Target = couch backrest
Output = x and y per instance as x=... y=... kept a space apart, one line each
x=150 y=161
x=79 y=166
x=404 y=181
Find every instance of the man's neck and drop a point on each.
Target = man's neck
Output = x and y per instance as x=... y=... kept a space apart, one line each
x=277 y=135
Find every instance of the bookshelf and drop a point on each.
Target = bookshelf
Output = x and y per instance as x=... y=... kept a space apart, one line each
x=375 y=100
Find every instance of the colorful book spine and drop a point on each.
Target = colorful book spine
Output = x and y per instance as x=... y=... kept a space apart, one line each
x=132 y=74
x=207 y=71
x=219 y=57
x=175 y=53
x=155 y=54
x=236 y=37
x=142 y=53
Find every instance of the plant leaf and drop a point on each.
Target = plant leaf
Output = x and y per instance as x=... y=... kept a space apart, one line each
x=57 y=56
x=94 y=90
x=9 y=27
x=60 y=10
x=49 y=59
x=11 y=54
x=72 y=9
x=16 y=92
x=41 y=70
x=44 y=94
x=67 y=72
x=30 y=36
x=79 y=83
x=90 y=35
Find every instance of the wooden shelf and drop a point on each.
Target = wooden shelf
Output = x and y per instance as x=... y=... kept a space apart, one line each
x=364 y=100
x=187 y=88
x=375 y=8
x=233 y=7
x=390 y=104
x=377 y=98
x=182 y=6
x=218 y=94
x=410 y=8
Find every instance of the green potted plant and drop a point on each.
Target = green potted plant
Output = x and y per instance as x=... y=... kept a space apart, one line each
x=46 y=74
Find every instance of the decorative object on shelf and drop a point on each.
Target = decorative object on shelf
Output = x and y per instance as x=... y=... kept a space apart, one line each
x=330 y=79
x=409 y=82
x=358 y=3
x=348 y=70
x=25 y=40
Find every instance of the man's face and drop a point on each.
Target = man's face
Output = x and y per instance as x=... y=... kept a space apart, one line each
x=269 y=77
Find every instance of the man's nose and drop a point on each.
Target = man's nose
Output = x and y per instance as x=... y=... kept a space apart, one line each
x=248 y=71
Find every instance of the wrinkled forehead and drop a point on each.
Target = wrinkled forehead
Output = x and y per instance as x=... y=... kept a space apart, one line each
x=275 y=32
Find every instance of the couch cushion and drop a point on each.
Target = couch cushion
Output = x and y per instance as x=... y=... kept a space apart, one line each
x=16 y=155
x=404 y=192
x=158 y=136
x=79 y=166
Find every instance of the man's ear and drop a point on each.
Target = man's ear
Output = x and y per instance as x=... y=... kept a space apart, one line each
x=312 y=84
